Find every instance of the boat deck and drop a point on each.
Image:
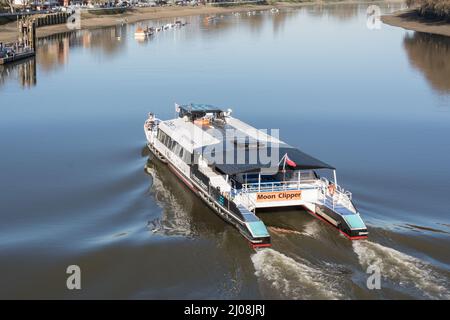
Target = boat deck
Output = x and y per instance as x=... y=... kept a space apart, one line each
x=337 y=206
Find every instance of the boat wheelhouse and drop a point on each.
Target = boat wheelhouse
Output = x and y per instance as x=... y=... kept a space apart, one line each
x=237 y=170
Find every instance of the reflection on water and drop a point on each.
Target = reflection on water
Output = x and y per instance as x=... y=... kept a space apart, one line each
x=430 y=54
x=348 y=11
x=176 y=205
x=24 y=71
x=183 y=214
x=312 y=72
x=53 y=52
x=338 y=12
x=106 y=41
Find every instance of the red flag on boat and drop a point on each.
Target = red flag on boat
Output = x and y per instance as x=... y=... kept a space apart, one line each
x=290 y=162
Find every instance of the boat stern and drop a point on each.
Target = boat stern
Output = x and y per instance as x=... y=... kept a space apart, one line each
x=260 y=235
x=354 y=227
x=349 y=223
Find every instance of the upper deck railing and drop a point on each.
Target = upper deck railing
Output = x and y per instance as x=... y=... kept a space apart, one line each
x=280 y=186
x=339 y=197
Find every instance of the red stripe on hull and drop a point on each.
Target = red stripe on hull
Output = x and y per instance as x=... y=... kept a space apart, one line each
x=260 y=245
x=194 y=189
x=181 y=177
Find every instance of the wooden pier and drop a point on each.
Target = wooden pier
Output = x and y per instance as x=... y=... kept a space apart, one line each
x=17 y=56
x=25 y=47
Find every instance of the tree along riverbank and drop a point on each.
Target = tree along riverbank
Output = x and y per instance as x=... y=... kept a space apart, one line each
x=412 y=20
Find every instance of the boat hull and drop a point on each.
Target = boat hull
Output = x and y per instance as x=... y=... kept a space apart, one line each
x=222 y=212
x=328 y=216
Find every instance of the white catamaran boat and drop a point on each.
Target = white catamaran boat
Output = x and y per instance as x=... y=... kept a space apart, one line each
x=225 y=162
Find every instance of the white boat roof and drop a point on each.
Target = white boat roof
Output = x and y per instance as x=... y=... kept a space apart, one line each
x=252 y=131
x=187 y=134
x=192 y=136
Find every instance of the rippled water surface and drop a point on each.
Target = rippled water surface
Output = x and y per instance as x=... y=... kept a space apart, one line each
x=374 y=103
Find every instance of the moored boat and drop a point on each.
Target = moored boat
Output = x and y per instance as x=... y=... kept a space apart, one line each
x=142 y=33
x=209 y=18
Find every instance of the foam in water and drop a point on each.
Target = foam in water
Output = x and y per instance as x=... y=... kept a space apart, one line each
x=402 y=268
x=310 y=230
x=279 y=230
x=294 y=279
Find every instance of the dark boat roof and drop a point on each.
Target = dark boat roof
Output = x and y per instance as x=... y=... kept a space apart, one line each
x=202 y=139
x=197 y=110
x=230 y=163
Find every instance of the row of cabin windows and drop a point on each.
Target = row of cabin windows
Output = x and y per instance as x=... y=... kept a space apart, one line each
x=174 y=146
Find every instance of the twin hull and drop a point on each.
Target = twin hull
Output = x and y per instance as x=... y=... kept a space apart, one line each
x=239 y=215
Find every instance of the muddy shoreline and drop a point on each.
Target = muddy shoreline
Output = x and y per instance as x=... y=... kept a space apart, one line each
x=410 y=20
x=8 y=32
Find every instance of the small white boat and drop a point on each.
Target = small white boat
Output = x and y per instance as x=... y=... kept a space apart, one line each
x=180 y=23
x=210 y=18
x=140 y=33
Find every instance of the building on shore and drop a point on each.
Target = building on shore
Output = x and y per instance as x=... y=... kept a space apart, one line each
x=40 y=3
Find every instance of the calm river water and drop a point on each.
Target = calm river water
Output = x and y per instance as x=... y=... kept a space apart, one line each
x=375 y=103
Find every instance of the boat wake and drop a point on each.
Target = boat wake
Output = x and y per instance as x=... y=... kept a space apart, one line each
x=295 y=279
x=403 y=269
x=279 y=230
x=175 y=220
x=310 y=230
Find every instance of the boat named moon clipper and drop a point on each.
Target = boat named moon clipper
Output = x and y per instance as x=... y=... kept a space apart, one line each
x=238 y=170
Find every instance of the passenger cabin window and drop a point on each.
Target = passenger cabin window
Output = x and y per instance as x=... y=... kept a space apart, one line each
x=174 y=146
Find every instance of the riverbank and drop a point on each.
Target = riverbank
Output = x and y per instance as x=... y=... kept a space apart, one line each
x=411 y=20
x=8 y=32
